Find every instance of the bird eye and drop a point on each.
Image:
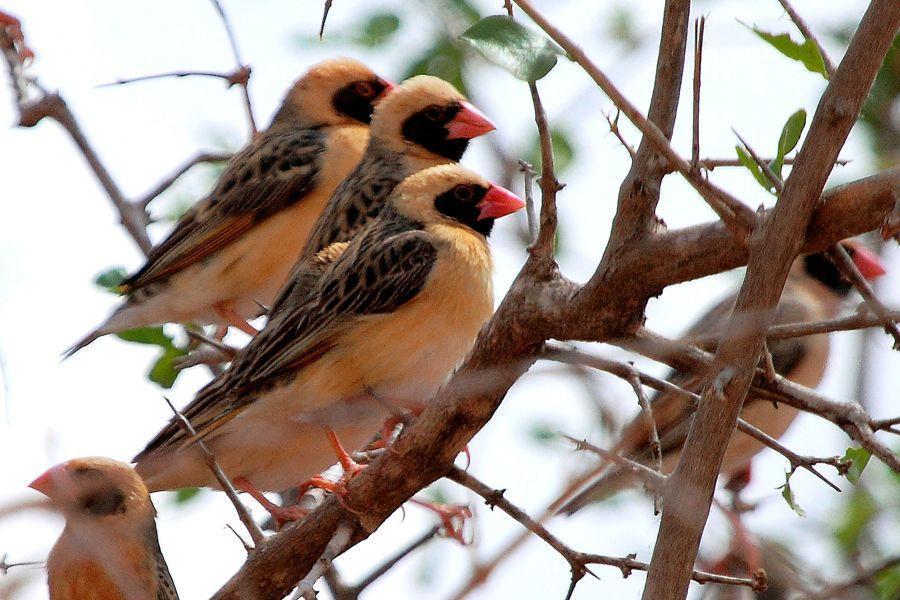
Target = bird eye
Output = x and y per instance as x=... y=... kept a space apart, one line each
x=463 y=193
x=365 y=89
x=434 y=113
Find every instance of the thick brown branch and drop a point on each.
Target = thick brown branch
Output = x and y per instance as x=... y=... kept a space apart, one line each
x=772 y=251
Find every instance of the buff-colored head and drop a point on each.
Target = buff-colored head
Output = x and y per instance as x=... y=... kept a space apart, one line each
x=98 y=489
x=455 y=195
x=340 y=91
x=427 y=117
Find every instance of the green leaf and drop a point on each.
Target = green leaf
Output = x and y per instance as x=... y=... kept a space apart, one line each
x=526 y=54
x=854 y=518
x=751 y=166
x=111 y=278
x=163 y=371
x=147 y=335
x=563 y=150
x=543 y=432
x=788 y=494
x=806 y=53
x=787 y=141
x=790 y=133
x=858 y=458
x=436 y=494
x=378 y=29
x=888 y=584
x=186 y=494
x=444 y=60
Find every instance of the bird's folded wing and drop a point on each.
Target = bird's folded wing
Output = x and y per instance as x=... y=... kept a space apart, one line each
x=274 y=173
x=672 y=412
x=380 y=271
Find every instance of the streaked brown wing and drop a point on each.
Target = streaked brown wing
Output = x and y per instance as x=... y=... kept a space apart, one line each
x=275 y=172
x=383 y=268
x=673 y=413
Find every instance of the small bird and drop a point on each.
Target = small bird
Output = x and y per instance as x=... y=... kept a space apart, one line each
x=814 y=291
x=109 y=548
x=232 y=251
x=422 y=123
x=393 y=312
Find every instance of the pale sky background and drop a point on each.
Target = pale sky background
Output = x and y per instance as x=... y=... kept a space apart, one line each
x=58 y=231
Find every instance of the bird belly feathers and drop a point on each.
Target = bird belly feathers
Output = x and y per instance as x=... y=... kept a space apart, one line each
x=775 y=419
x=85 y=564
x=402 y=358
x=248 y=272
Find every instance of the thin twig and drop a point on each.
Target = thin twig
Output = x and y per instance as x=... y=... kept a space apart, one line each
x=647 y=415
x=699 y=29
x=651 y=476
x=324 y=17
x=248 y=547
x=865 y=577
x=713 y=163
x=202 y=157
x=614 y=129
x=6 y=566
x=838 y=254
x=797 y=461
x=253 y=529
x=239 y=65
x=578 y=561
x=528 y=175
x=369 y=579
x=770 y=174
x=546 y=239
x=233 y=78
x=739 y=218
x=805 y=328
x=807 y=33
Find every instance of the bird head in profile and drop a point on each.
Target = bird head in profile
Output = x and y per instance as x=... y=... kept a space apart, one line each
x=427 y=117
x=822 y=269
x=87 y=489
x=454 y=195
x=340 y=91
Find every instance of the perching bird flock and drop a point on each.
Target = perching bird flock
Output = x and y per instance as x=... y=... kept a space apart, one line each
x=351 y=226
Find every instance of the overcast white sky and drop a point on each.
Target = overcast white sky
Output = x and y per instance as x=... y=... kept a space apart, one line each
x=57 y=231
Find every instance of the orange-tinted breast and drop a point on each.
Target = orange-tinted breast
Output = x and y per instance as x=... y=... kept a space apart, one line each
x=128 y=576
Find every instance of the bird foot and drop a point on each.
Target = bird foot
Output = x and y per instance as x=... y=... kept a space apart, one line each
x=233 y=319
x=280 y=514
x=387 y=437
x=453 y=517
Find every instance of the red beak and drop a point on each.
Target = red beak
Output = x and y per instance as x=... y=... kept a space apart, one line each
x=468 y=123
x=498 y=202
x=388 y=86
x=866 y=261
x=47 y=483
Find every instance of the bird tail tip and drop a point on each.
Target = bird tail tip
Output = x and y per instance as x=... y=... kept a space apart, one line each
x=85 y=341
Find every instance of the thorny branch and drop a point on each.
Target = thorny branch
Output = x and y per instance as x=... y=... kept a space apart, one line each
x=842 y=259
x=578 y=561
x=542 y=305
x=241 y=69
x=244 y=515
x=739 y=218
